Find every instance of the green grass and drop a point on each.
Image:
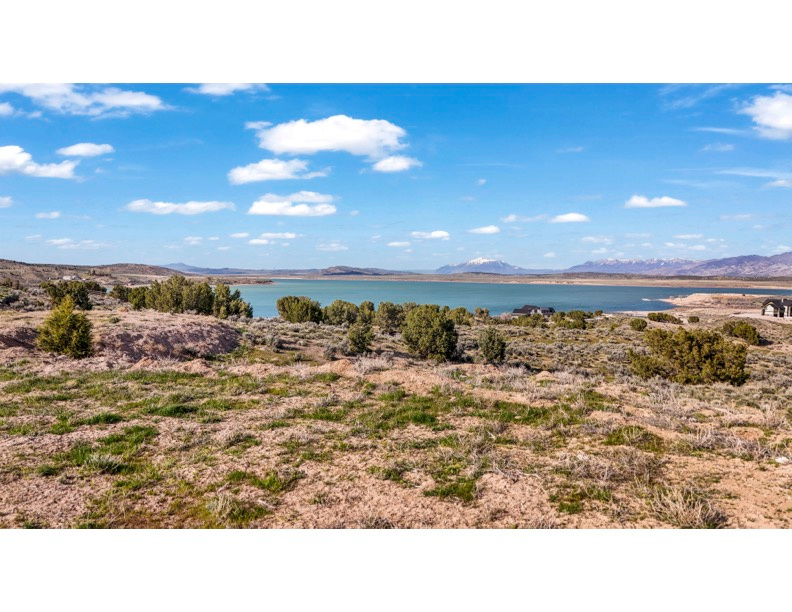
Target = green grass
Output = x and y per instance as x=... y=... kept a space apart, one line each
x=272 y=481
x=634 y=436
x=463 y=489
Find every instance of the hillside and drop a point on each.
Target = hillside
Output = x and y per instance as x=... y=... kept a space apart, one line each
x=33 y=273
x=331 y=271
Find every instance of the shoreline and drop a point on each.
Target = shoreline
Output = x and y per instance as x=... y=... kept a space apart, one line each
x=769 y=284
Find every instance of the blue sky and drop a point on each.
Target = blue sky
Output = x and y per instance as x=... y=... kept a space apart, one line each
x=397 y=176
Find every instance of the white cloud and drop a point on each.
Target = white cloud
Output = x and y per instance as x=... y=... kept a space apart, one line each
x=187 y=208
x=280 y=235
x=83 y=245
x=550 y=255
x=398 y=244
x=637 y=201
x=487 y=229
x=240 y=235
x=48 y=215
x=6 y=110
x=259 y=241
x=435 y=235
x=688 y=236
x=193 y=240
x=772 y=115
x=697 y=247
x=88 y=100
x=223 y=248
x=272 y=170
x=396 y=163
x=521 y=219
x=332 y=246
x=572 y=217
x=780 y=183
x=300 y=204
x=226 y=89
x=600 y=251
x=86 y=149
x=597 y=239
x=720 y=130
x=782 y=248
x=481 y=182
x=739 y=217
x=571 y=150
x=717 y=148
x=6 y=201
x=16 y=159
x=374 y=138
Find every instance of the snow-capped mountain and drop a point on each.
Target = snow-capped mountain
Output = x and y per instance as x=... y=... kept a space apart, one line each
x=487 y=266
x=659 y=267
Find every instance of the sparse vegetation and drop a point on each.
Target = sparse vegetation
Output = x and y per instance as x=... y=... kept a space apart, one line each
x=663 y=317
x=744 y=331
x=429 y=333
x=492 y=346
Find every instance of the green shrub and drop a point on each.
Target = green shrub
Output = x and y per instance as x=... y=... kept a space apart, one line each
x=481 y=314
x=359 y=337
x=77 y=290
x=366 y=312
x=663 y=317
x=179 y=294
x=429 y=333
x=65 y=331
x=461 y=316
x=572 y=323
x=389 y=317
x=741 y=329
x=638 y=324
x=137 y=297
x=534 y=320
x=340 y=313
x=691 y=357
x=120 y=292
x=693 y=319
x=492 y=345
x=299 y=309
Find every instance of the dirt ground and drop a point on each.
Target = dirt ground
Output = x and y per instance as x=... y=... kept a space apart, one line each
x=186 y=421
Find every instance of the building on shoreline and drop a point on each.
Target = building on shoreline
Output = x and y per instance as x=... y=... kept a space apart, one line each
x=529 y=309
x=777 y=307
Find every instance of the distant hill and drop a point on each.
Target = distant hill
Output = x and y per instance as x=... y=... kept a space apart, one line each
x=654 y=267
x=331 y=271
x=746 y=266
x=28 y=273
x=488 y=266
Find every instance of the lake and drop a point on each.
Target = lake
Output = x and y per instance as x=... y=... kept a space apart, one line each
x=498 y=297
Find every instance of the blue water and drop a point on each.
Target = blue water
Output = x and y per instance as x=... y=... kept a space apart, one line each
x=498 y=297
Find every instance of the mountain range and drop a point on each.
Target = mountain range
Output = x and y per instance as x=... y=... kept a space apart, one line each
x=742 y=266
x=331 y=271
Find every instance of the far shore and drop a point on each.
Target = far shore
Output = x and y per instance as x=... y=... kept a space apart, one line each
x=612 y=281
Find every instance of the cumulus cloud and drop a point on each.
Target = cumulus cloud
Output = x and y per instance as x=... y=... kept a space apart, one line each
x=193 y=240
x=6 y=201
x=772 y=115
x=374 y=138
x=240 y=235
x=512 y=218
x=280 y=235
x=16 y=159
x=6 y=110
x=717 y=148
x=396 y=163
x=95 y=101
x=300 y=204
x=481 y=182
x=780 y=183
x=71 y=244
x=688 y=236
x=550 y=255
x=487 y=229
x=597 y=239
x=48 y=215
x=226 y=89
x=259 y=241
x=332 y=246
x=638 y=201
x=86 y=149
x=571 y=150
x=272 y=170
x=187 y=208
x=435 y=235
x=398 y=244
x=737 y=217
x=572 y=217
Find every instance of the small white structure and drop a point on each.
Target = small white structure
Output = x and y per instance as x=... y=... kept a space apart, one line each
x=777 y=307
